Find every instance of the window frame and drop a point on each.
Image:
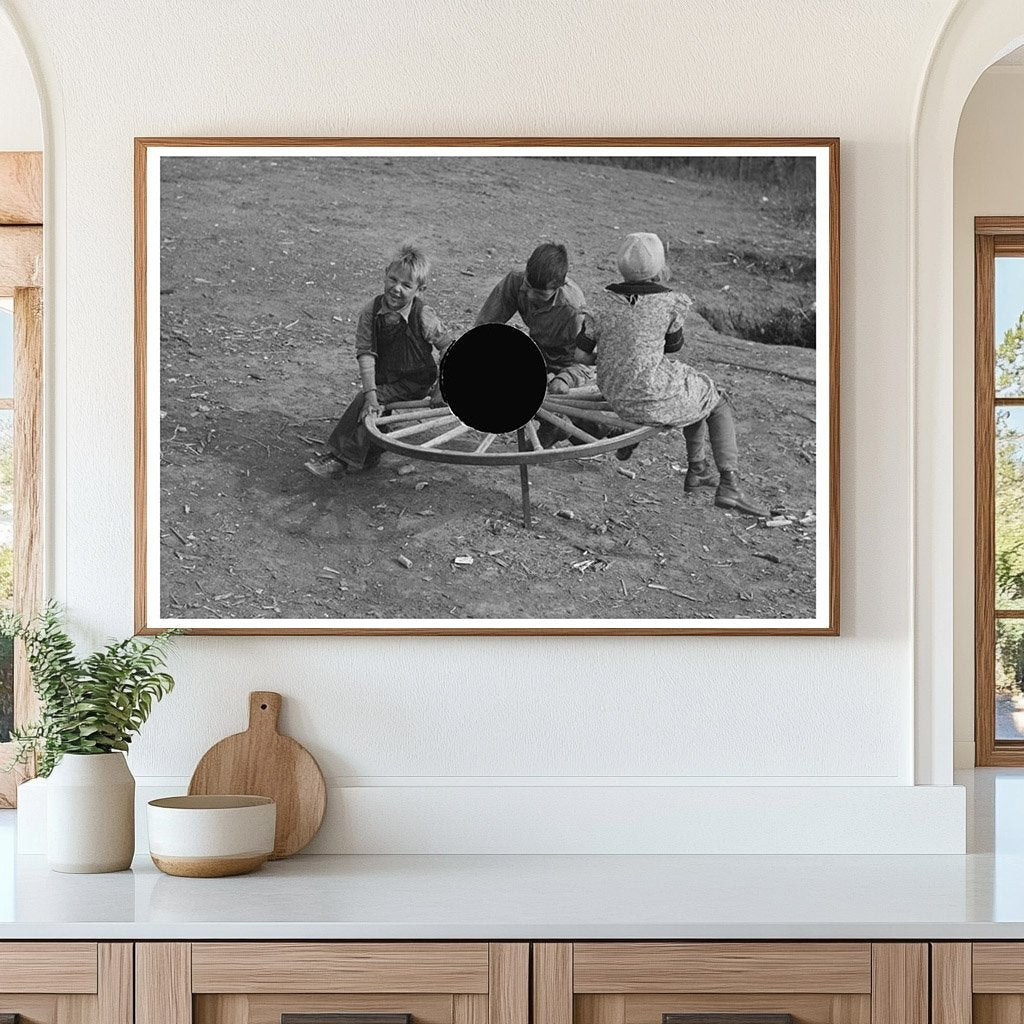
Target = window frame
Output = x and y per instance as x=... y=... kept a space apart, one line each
x=993 y=237
x=21 y=278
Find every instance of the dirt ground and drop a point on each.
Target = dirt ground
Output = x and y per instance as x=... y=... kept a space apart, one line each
x=265 y=263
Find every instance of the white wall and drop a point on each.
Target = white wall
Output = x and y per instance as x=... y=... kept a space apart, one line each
x=408 y=713
x=987 y=182
x=21 y=126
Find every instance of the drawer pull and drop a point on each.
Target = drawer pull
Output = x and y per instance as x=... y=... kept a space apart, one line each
x=339 y=1018
x=727 y=1018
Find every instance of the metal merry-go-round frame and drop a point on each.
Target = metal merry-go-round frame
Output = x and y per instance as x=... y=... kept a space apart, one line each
x=419 y=431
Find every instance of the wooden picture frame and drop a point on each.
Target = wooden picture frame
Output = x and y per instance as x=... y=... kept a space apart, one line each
x=169 y=235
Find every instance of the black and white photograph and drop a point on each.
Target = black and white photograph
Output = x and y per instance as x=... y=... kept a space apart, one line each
x=331 y=338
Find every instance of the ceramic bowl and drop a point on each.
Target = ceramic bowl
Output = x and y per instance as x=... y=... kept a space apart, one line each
x=211 y=836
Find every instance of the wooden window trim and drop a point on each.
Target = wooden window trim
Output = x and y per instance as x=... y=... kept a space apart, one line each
x=21 y=269
x=993 y=236
x=21 y=188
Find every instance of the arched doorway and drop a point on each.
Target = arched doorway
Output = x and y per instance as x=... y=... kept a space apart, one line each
x=988 y=260
x=977 y=33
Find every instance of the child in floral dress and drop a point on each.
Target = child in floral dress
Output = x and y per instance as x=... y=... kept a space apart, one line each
x=640 y=322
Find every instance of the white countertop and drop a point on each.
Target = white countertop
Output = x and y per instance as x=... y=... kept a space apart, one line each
x=977 y=896
x=516 y=897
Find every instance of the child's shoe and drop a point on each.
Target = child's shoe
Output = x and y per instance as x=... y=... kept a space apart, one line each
x=327 y=467
x=548 y=434
x=730 y=496
x=699 y=474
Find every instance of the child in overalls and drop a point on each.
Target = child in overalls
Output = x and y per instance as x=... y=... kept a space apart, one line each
x=641 y=321
x=399 y=340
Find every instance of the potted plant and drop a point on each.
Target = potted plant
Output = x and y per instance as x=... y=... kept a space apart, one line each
x=89 y=710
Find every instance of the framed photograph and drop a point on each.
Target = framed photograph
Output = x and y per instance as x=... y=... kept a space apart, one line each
x=303 y=465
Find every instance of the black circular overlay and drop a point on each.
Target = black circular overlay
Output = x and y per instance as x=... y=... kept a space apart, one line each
x=493 y=378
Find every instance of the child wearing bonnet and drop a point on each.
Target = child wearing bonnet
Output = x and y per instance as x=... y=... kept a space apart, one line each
x=639 y=326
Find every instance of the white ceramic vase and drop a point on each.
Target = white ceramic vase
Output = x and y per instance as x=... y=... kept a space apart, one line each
x=90 y=814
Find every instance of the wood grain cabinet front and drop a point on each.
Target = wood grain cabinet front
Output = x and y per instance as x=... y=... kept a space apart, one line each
x=730 y=983
x=332 y=983
x=494 y=983
x=66 y=982
x=978 y=983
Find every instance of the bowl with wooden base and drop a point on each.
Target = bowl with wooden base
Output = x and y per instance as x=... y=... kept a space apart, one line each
x=211 y=836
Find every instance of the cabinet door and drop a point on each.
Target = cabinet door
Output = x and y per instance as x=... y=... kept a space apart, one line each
x=65 y=983
x=730 y=983
x=981 y=982
x=332 y=983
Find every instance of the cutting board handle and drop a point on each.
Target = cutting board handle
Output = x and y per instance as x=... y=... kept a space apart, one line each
x=264 y=710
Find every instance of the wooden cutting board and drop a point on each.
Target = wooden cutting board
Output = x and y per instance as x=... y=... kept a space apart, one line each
x=262 y=762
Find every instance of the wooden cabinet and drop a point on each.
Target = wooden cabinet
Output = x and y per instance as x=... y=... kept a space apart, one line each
x=978 y=983
x=66 y=982
x=306 y=982
x=494 y=983
x=758 y=982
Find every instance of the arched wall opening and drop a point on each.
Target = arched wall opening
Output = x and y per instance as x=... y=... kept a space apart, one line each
x=989 y=153
x=976 y=35
x=21 y=122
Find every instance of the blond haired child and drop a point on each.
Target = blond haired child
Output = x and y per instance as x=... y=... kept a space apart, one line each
x=642 y=321
x=399 y=340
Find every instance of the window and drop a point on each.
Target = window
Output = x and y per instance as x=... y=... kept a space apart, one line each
x=21 y=363
x=20 y=493
x=999 y=490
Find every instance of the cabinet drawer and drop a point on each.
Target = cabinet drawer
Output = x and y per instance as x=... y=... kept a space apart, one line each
x=332 y=983
x=64 y=967
x=998 y=967
x=634 y=967
x=730 y=983
x=642 y=982
x=340 y=967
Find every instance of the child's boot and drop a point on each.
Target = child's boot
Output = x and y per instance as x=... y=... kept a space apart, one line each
x=327 y=467
x=730 y=496
x=548 y=434
x=699 y=474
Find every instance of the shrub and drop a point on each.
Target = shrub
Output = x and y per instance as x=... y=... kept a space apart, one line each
x=90 y=705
